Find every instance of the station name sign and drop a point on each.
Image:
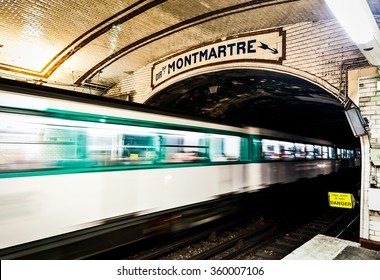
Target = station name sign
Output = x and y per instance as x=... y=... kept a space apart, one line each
x=261 y=47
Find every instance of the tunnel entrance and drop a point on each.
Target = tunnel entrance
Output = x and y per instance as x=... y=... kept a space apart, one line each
x=261 y=98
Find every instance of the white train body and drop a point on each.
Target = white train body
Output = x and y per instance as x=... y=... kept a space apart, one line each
x=43 y=195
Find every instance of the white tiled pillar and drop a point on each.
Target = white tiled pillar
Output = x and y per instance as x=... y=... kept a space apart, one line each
x=368 y=100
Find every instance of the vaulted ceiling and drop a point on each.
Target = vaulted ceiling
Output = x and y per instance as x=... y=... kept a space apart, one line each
x=97 y=42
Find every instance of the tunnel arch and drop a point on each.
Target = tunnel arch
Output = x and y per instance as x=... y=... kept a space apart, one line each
x=322 y=83
x=290 y=100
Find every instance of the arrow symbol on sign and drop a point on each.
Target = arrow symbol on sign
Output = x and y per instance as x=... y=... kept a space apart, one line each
x=266 y=47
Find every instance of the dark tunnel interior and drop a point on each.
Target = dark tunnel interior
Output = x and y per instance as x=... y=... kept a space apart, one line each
x=260 y=98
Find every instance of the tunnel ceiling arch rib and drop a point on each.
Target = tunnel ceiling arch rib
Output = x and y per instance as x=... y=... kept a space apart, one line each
x=261 y=98
x=257 y=66
x=101 y=42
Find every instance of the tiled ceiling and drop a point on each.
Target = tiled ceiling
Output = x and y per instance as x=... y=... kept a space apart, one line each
x=95 y=41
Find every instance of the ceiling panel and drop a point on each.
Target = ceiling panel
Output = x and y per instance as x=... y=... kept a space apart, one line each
x=51 y=40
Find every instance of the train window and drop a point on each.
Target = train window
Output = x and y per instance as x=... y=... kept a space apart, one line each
x=286 y=150
x=309 y=151
x=226 y=148
x=339 y=153
x=332 y=154
x=357 y=154
x=278 y=150
x=183 y=147
x=300 y=151
x=344 y=153
x=98 y=145
x=318 y=152
x=325 y=152
x=114 y=145
x=30 y=142
x=34 y=142
x=350 y=154
x=282 y=150
x=271 y=149
x=140 y=147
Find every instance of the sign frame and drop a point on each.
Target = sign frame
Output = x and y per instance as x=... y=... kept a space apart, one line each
x=268 y=46
x=341 y=200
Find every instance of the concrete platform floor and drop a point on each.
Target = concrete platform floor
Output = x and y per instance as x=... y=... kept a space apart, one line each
x=324 y=247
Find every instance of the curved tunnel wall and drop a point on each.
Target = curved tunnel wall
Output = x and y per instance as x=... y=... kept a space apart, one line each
x=255 y=66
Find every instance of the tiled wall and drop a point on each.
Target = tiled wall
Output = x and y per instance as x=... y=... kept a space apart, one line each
x=315 y=49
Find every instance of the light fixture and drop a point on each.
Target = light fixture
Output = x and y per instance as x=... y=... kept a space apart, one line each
x=357 y=20
x=358 y=124
x=213 y=89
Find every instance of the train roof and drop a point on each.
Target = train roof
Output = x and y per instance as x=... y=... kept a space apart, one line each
x=35 y=90
x=287 y=136
x=89 y=99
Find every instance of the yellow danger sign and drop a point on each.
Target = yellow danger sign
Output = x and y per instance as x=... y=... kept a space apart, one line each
x=341 y=200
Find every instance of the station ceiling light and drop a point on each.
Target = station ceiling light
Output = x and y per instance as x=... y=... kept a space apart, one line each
x=357 y=20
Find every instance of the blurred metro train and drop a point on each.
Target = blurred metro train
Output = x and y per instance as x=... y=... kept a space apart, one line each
x=75 y=166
